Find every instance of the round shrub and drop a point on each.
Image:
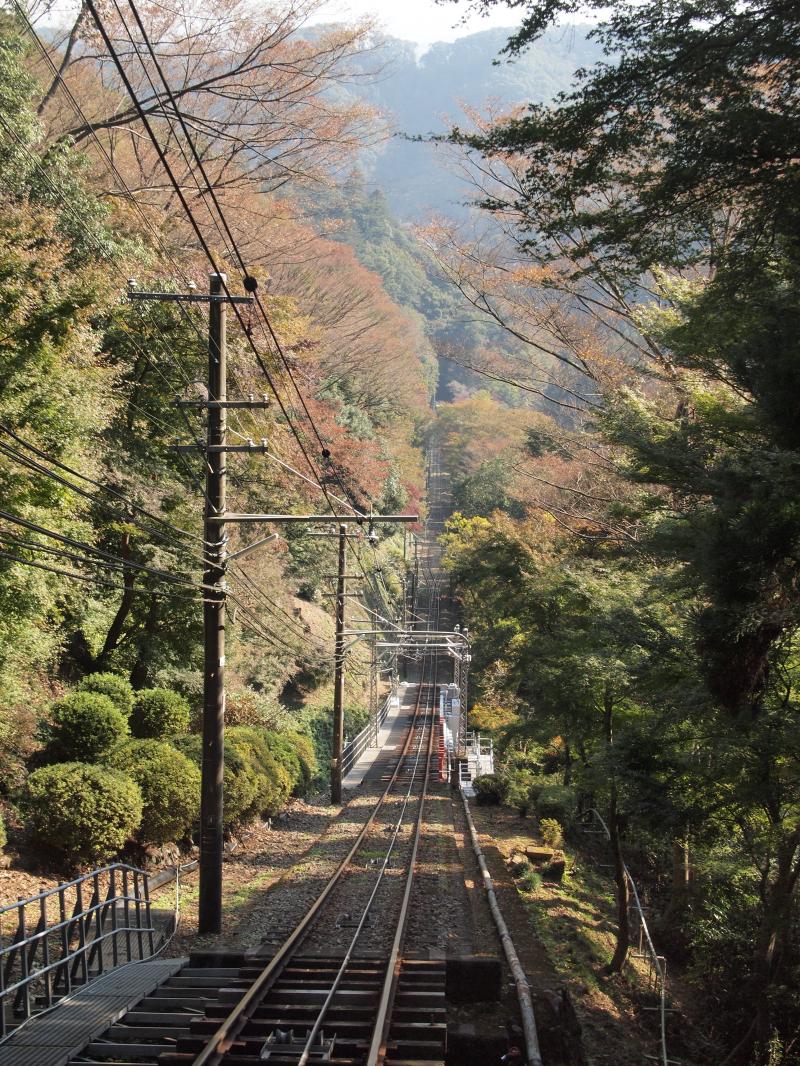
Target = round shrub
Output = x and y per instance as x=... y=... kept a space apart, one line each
x=490 y=790
x=552 y=832
x=159 y=713
x=283 y=749
x=239 y=782
x=170 y=787
x=531 y=880
x=558 y=802
x=118 y=689
x=85 y=813
x=309 y=767
x=84 y=726
x=274 y=782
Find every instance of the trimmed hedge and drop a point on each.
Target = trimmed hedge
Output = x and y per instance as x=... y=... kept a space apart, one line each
x=85 y=813
x=170 y=786
x=239 y=781
x=262 y=769
x=83 y=727
x=309 y=767
x=274 y=782
x=118 y=689
x=159 y=713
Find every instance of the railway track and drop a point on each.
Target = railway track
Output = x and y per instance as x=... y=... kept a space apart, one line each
x=367 y=1006
x=337 y=988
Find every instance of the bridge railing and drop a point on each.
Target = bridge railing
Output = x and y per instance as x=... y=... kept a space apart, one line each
x=66 y=936
x=368 y=737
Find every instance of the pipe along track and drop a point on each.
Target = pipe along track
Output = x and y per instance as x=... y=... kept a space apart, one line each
x=189 y=1020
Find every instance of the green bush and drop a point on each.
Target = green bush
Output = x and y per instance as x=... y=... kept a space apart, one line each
x=118 y=689
x=159 y=713
x=517 y=797
x=552 y=832
x=520 y=866
x=85 y=813
x=530 y=880
x=490 y=790
x=83 y=726
x=556 y=801
x=239 y=782
x=309 y=767
x=274 y=781
x=3 y=834
x=518 y=789
x=170 y=786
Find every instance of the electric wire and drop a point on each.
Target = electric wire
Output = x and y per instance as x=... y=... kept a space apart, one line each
x=162 y=575
x=31 y=464
x=94 y=580
x=112 y=167
x=194 y=224
x=193 y=221
x=218 y=207
x=209 y=189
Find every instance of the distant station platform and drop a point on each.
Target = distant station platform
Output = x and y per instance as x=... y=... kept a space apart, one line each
x=390 y=734
x=53 y=1038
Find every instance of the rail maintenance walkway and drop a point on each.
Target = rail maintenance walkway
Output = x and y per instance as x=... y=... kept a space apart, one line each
x=390 y=734
x=54 y=1037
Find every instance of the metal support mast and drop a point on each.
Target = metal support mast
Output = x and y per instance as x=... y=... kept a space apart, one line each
x=374 y=666
x=338 y=678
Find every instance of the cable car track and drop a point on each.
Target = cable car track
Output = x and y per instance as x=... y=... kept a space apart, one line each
x=191 y=1020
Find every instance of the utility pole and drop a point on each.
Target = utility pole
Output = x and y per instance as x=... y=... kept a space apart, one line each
x=338 y=677
x=214 y=449
x=211 y=844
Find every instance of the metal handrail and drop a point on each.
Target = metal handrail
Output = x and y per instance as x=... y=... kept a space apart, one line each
x=43 y=959
x=356 y=747
x=656 y=962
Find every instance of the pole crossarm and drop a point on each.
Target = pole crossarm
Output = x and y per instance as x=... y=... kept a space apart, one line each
x=190 y=298
x=198 y=446
x=227 y=405
x=426 y=644
x=318 y=518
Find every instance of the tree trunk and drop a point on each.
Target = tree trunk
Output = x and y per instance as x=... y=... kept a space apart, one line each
x=769 y=957
x=623 y=936
x=681 y=876
x=568 y=761
x=140 y=674
x=126 y=603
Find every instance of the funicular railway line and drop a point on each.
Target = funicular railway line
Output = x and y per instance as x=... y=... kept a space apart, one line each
x=364 y=1005
x=350 y=966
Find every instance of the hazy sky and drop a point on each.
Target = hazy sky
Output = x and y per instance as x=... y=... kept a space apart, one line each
x=422 y=21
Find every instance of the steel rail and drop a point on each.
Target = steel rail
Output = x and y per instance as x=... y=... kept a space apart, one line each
x=231 y=1027
x=378 y=1046
x=314 y=1032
